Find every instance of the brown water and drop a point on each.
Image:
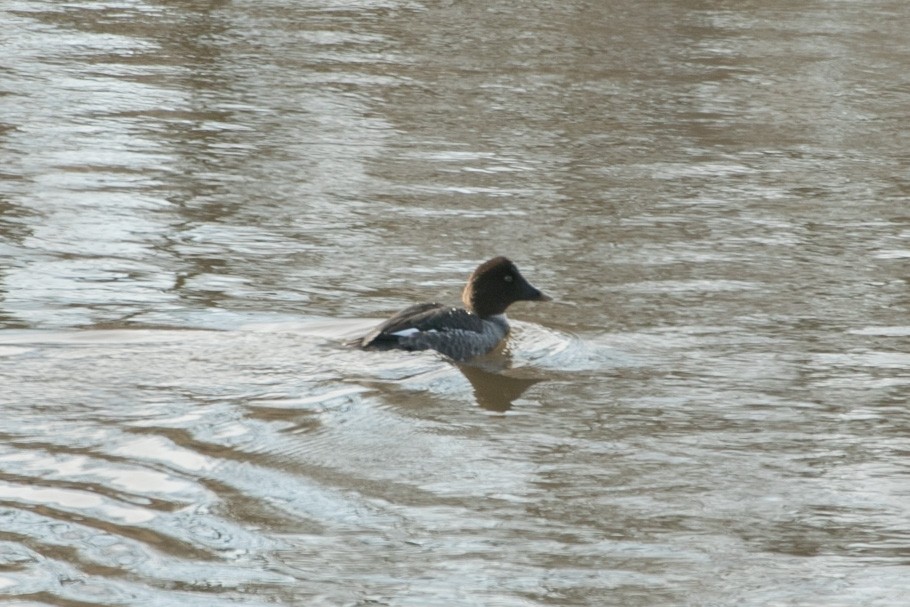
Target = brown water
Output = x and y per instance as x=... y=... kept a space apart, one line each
x=200 y=201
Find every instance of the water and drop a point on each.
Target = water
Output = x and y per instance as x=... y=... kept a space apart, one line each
x=201 y=201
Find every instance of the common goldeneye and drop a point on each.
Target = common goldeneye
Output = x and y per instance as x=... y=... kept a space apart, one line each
x=459 y=333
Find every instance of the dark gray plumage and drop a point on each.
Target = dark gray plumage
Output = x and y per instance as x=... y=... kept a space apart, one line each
x=459 y=333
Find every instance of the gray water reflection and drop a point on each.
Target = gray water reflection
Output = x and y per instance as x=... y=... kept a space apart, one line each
x=496 y=391
x=201 y=201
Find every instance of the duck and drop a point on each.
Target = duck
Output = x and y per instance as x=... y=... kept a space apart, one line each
x=459 y=333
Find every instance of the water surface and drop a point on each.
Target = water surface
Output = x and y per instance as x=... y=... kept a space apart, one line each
x=201 y=201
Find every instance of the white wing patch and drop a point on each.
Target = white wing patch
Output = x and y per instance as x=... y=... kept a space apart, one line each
x=406 y=332
x=411 y=331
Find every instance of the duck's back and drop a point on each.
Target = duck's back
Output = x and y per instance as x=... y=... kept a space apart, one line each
x=455 y=332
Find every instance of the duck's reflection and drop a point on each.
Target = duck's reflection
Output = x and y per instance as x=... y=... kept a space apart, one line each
x=493 y=389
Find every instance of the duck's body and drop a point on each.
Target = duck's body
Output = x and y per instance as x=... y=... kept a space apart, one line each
x=459 y=333
x=455 y=332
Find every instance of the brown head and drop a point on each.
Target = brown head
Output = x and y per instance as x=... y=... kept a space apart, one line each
x=495 y=285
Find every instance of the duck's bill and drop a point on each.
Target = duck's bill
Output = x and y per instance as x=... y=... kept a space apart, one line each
x=534 y=294
x=531 y=293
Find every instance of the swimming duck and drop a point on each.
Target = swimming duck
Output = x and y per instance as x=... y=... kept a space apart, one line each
x=459 y=333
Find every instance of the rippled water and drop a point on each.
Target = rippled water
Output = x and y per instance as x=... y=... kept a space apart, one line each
x=201 y=201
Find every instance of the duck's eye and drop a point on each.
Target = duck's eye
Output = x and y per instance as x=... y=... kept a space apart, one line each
x=508 y=278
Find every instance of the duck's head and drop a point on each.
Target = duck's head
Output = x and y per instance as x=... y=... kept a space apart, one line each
x=495 y=285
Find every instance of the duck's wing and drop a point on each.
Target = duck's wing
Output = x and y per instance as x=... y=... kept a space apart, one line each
x=422 y=318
